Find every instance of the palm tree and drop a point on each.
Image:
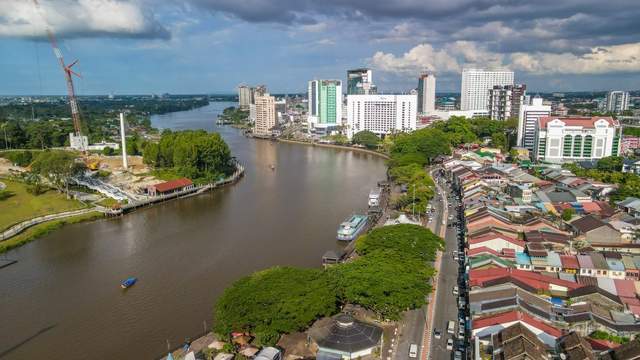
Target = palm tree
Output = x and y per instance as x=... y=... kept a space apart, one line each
x=4 y=128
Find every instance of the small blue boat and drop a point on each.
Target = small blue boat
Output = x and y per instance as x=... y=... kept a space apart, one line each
x=128 y=283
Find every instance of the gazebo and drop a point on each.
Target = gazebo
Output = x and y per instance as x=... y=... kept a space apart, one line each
x=343 y=337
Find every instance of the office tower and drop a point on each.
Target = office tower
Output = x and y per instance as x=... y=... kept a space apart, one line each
x=527 y=120
x=505 y=101
x=381 y=114
x=325 y=103
x=474 y=93
x=617 y=101
x=561 y=139
x=359 y=81
x=244 y=97
x=265 y=114
x=426 y=93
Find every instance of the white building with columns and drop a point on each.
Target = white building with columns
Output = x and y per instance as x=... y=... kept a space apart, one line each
x=566 y=139
x=381 y=114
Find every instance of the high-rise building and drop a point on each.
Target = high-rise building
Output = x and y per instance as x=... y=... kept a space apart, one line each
x=561 y=139
x=265 y=114
x=244 y=97
x=359 y=81
x=527 y=120
x=474 y=92
x=426 y=93
x=381 y=114
x=617 y=101
x=325 y=103
x=259 y=90
x=505 y=101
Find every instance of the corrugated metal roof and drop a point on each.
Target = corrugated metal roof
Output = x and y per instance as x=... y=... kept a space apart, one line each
x=615 y=265
x=607 y=285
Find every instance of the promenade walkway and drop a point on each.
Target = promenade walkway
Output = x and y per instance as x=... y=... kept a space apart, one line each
x=20 y=227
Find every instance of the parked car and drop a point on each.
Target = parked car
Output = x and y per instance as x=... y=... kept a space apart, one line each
x=437 y=334
x=413 y=351
x=455 y=290
x=449 y=344
x=457 y=355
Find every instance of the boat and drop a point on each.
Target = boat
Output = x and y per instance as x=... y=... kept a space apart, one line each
x=351 y=228
x=128 y=283
x=374 y=198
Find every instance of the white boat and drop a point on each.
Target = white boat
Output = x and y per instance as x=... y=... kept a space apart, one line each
x=374 y=198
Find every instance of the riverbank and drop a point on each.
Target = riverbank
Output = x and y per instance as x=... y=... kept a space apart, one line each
x=42 y=229
x=343 y=147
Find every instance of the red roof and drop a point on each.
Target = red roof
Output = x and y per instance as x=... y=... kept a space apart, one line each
x=481 y=250
x=587 y=122
x=625 y=288
x=516 y=316
x=591 y=207
x=600 y=345
x=172 y=185
x=569 y=262
x=478 y=277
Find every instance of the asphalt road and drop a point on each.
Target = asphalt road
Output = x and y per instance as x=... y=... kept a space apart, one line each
x=446 y=303
x=411 y=328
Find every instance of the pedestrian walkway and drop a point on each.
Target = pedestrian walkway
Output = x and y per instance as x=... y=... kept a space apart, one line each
x=18 y=228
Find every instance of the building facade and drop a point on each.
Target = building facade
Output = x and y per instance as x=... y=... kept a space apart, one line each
x=325 y=103
x=576 y=138
x=426 y=93
x=474 y=94
x=381 y=114
x=360 y=82
x=505 y=101
x=265 y=114
x=527 y=119
x=617 y=101
x=244 y=97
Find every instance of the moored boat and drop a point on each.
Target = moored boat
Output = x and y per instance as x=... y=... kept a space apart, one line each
x=374 y=198
x=351 y=228
x=128 y=283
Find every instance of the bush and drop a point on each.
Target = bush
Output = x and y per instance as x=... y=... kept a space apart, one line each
x=5 y=194
x=366 y=138
x=20 y=158
x=108 y=151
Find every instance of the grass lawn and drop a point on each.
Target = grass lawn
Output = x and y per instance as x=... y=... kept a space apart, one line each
x=39 y=230
x=108 y=202
x=23 y=206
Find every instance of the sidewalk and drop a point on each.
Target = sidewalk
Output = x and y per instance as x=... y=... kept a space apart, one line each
x=18 y=228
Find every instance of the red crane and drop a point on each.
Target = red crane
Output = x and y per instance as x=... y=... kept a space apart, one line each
x=68 y=74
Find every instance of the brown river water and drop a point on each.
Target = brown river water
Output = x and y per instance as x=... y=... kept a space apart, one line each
x=62 y=299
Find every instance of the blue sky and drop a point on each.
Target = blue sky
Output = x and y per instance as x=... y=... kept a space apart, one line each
x=211 y=46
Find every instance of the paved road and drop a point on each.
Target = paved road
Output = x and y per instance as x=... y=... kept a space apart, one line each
x=446 y=302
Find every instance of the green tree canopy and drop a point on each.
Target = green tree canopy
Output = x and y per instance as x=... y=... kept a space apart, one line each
x=567 y=214
x=406 y=239
x=274 y=301
x=610 y=163
x=366 y=138
x=420 y=146
x=197 y=155
x=58 y=167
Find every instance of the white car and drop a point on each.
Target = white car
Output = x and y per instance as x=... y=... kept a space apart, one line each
x=455 y=290
x=437 y=334
x=449 y=344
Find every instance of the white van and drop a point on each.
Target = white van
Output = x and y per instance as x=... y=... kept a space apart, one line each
x=451 y=327
x=413 y=351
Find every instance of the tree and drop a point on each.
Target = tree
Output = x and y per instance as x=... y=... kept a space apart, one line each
x=420 y=146
x=499 y=140
x=274 y=301
x=567 y=214
x=610 y=163
x=58 y=167
x=366 y=138
x=108 y=151
x=406 y=239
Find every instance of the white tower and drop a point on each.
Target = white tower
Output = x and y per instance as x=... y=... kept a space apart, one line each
x=124 y=142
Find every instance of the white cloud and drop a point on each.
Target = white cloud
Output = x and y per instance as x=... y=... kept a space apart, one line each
x=452 y=57
x=325 y=42
x=314 y=28
x=421 y=57
x=78 y=18
x=604 y=59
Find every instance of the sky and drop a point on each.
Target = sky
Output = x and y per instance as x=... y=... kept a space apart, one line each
x=212 y=46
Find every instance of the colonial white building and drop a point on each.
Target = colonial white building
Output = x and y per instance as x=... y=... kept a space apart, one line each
x=562 y=139
x=381 y=114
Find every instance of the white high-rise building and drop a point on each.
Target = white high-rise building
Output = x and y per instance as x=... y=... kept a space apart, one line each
x=265 y=114
x=527 y=120
x=381 y=114
x=617 y=101
x=561 y=139
x=426 y=93
x=244 y=97
x=474 y=92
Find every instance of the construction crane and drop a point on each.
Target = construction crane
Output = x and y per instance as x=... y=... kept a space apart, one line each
x=68 y=73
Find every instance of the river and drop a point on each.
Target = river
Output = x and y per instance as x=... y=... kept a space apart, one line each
x=62 y=300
